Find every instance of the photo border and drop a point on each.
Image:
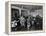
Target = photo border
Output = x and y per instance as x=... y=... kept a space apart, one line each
x=25 y=3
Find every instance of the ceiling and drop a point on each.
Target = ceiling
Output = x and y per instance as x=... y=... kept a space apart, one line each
x=29 y=7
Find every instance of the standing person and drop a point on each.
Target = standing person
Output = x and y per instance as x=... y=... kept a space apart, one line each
x=33 y=23
x=28 y=23
x=22 y=22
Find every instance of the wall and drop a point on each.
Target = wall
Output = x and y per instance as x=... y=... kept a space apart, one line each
x=36 y=12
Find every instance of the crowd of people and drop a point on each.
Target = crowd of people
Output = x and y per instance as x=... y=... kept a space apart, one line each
x=23 y=23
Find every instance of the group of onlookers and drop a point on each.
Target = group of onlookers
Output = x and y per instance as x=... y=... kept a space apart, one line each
x=23 y=23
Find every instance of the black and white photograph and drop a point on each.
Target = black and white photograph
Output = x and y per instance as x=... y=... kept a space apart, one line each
x=26 y=17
